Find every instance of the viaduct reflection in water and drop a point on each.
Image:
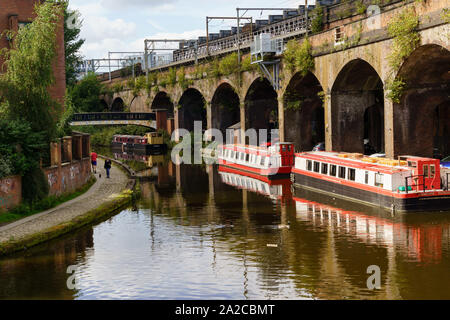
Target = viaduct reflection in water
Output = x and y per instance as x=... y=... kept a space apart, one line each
x=238 y=238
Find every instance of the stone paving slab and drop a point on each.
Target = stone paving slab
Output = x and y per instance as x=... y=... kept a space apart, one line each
x=102 y=191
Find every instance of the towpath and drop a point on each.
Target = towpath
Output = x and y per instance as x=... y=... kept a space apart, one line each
x=101 y=192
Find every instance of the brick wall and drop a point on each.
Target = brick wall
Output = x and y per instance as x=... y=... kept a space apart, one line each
x=13 y=12
x=10 y=192
x=68 y=177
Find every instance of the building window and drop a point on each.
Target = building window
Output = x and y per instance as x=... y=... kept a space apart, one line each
x=342 y=172
x=351 y=174
x=22 y=24
x=339 y=36
x=324 y=168
x=309 y=165
x=333 y=170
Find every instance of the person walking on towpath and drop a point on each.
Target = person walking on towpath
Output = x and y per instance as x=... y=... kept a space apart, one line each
x=107 y=167
x=94 y=162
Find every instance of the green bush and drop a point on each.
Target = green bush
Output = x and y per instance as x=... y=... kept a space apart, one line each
x=6 y=168
x=298 y=57
x=34 y=186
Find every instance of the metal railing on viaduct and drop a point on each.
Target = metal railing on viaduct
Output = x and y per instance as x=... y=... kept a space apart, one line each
x=145 y=119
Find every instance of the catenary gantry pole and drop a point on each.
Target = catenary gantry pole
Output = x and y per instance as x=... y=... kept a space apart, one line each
x=208 y=19
x=152 y=43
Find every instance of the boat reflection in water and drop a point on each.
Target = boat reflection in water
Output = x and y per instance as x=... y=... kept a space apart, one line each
x=421 y=243
x=274 y=189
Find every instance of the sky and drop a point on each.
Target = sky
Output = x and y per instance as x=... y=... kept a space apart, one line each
x=122 y=25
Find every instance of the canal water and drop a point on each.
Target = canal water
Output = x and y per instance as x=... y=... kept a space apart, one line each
x=198 y=233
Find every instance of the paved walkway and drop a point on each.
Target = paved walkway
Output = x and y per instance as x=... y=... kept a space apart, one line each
x=103 y=190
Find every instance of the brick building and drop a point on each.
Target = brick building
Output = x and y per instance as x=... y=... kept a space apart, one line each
x=17 y=13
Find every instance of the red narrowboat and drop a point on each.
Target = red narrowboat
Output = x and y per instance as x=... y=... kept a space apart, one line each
x=265 y=163
x=407 y=184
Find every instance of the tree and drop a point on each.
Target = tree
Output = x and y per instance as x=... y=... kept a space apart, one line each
x=29 y=72
x=28 y=114
x=72 y=43
x=85 y=94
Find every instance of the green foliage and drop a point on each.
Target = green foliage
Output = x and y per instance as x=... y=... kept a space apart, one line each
x=6 y=168
x=182 y=80
x=360 y=7
x=395 y=89
x=229 y=64
x=63 y=128
x=246 y=64
x=214 y=68
x=29 y=72
x=84 y=96
x=34 y=186
x=199 y=71
x=298 y=57
x=172 y=77
x=72 y=43
x=403 y=29
x=446 y=15
x=153 y=79
x=117 y=87
x=317 y=20
x=20 y=146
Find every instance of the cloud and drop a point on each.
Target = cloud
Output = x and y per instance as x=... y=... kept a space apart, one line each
x=143 y=4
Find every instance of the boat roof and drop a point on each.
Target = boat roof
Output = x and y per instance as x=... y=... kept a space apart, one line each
x=264 y=148
x=128 y=136
x=334 y=158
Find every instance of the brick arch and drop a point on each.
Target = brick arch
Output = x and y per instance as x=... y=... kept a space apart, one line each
x=261 y=107
x=423 y=113
x=162 y=100
x=304 y=116
x=248 y=82
x=225 y=107
x=357 y=88
x=190 y=108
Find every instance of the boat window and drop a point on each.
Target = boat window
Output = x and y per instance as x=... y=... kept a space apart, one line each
x=412 y=164
x=432 y=171
x=333 y=170
x=263 y=159
x=342 y=172
x=367 y=177
x=379 y=180
x=247 y=157
x=425 y=171
x=316 y=166
x=309 y=165
x=237 y=155
x=232 y=154
x=351 y=174
x=242 y=156
x=324 y=168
